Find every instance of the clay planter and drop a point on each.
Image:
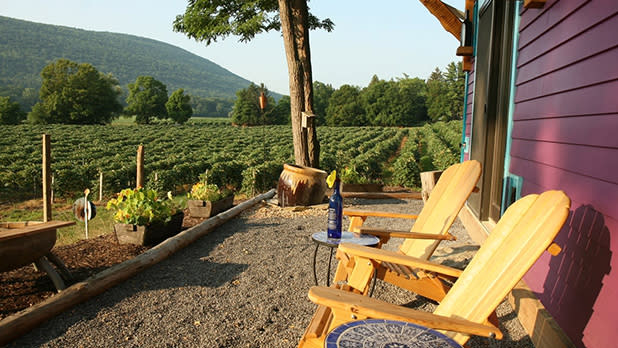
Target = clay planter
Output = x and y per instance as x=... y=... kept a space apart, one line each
x=361 y=187
x=206 y=209
x=299 y=185
x=149 y=234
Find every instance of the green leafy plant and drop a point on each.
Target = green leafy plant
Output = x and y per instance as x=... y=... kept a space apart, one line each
x=351 y=176
x=142 y=206
x=206 y=192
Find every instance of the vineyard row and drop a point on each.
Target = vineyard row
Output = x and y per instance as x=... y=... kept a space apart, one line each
x=243 y=158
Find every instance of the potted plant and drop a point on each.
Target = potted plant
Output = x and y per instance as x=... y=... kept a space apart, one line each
x=206 y=200
x=353 y=181
x=144 y=218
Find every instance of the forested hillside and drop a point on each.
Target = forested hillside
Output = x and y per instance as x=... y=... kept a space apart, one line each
x=26 y=47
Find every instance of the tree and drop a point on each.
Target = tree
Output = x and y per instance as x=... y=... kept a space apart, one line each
x=10 y=112
x=247 y=110
x=345 y=108
x=281 y=112
x=209 y=20
x=455 y=84
x=76 y=94
x=178 y=106
x=437 y=107
x=398 y=102
x=321 y=95
x=147 y=98
x=445 y=92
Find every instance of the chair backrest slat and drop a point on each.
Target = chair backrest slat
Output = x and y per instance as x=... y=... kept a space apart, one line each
x=441 y=209
x=525 y=230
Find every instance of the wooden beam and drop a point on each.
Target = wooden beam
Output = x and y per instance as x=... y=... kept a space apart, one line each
x=17 y=324
x=382 y=195
x=139 y=180
x=47 y=201
x=534 y=3
x=447 y=18
x=467 y=63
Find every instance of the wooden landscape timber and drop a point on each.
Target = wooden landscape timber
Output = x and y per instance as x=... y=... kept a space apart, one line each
x=18 y=324
x=382 y=195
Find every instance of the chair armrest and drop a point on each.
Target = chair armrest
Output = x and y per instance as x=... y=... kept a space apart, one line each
x=381 y=232
x=381 y=255
x=371 y=307
x=366 y=213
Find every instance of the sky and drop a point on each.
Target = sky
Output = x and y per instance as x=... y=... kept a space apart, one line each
x=384 y=38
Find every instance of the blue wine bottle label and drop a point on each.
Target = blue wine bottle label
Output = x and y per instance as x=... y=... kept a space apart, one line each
x=332 y=219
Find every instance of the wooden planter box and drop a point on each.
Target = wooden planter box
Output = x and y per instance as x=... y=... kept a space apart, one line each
x=150 y=234
x=206 y=209
x=361 y=187
x=22 y=243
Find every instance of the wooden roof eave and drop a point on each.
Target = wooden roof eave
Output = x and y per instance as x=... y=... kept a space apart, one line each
x=449 y=20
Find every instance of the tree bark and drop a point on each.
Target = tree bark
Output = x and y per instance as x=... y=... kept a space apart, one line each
x=295 y=28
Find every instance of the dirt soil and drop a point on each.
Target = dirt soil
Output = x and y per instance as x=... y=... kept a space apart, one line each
x=25 y=286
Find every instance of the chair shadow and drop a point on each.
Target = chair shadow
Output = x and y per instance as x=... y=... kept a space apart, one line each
x=575 y=276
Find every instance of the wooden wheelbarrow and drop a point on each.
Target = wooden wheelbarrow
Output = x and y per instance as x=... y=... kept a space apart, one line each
x=22 y=243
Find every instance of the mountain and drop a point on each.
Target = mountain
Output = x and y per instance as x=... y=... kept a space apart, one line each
x=26 y=47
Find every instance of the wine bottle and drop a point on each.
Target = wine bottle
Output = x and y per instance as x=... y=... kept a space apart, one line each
x=335 y=211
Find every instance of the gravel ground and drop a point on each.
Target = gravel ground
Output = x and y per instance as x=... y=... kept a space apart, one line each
x=243 y=285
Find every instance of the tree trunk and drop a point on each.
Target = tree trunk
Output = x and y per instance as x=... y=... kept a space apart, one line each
x=295 y=28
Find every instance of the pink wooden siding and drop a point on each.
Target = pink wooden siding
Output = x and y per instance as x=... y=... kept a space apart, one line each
x=565 y=136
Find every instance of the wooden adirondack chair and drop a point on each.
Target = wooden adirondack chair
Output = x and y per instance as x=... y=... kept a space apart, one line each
x=525 y=230
x=431 y=226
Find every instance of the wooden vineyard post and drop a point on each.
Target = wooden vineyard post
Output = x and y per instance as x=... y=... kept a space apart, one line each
x=428 y=181
x=140 y=167
x=47 y=203
x=100 y=186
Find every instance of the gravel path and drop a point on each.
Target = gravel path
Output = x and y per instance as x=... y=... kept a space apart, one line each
x=243 y=285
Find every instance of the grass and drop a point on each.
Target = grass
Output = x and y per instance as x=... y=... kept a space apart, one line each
x=103 y=222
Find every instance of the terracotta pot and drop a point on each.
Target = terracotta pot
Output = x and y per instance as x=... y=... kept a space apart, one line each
x=150 y=234
x=206 y=209
x=300 y=185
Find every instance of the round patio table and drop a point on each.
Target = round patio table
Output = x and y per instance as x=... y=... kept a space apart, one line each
x=386 y=333
x=321 y=238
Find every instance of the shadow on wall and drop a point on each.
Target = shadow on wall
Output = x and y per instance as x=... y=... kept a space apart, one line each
x=576 y=275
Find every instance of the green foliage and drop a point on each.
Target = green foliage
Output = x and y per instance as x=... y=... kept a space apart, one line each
x=211 y=20
x=178 y=106
x=211 y=106
x=445 y=93
x=26 y=47
x=261 y=177
x=75 y=93
x=141 y=206
x=282 y=113
x=351 y=176
x=10 y=112
x=345 y=107
x=395 y=103
x=247 y=110
x=147 y=98
x=206 y=192
x=226 y=172
x=321 y=94
x=242 y=158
